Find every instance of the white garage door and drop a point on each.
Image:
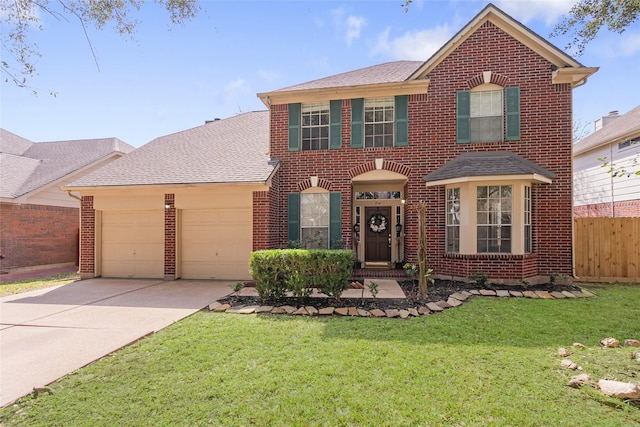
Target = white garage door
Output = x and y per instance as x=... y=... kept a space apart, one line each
x=133 y=244
x=216 y=243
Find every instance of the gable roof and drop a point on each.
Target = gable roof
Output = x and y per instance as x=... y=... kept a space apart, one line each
x=625 y=127
x=482 y=164
x=567 y=69
x=26 y=166
x=233 y=150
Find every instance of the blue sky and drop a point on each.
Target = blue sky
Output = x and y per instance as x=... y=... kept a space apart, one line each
x=171 y=79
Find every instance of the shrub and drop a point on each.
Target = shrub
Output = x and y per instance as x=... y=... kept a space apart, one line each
x=269 y=274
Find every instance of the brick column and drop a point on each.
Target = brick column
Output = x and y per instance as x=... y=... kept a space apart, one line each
x=169 y=237
x=87 y=238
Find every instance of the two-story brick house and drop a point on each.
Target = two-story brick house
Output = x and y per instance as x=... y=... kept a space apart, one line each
x=480 y=132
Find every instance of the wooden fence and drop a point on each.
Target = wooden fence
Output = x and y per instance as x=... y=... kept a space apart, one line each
x=607 y=249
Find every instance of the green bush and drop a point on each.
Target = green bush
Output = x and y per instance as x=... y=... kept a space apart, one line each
x=277 y=271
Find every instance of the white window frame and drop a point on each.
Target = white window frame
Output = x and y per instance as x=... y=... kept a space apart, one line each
x=314 y=220
x=315 y=120
x=486 y=107
x=379 y=122
x=452 y=212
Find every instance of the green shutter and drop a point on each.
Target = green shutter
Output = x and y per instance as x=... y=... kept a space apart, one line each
x=357 y=123
x=402 y=120
x=512 y=103
x=293 y=215
x=335 y=220
x=335 y=124
x=294 y=127
x=463 y=116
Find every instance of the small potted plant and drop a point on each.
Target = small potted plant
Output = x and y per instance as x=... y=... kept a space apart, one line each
x=410 y=269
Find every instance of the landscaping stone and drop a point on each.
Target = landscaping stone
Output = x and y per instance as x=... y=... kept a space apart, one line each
x=568 y=364
x=311 y=310
x=376 y=312
x=619 y=389
x=609 y=343
x=326 y=311
x=631 y=343
x=414 y=312
x=235 y=309
x=475 y=292
x=578 y=345
x=516 y=294
x=248 y=310
x=404 y=314
x=586 y=293
x=424 y=310
x=289 y=309
x=578 y=380
x=502 y=293
x=300 y=312
x=454 y=302
x=568 y=294
x=460 y=296
x=391 y=313
x=544 y=294
x=434 y=307
x=353 y=311
x=638 y=356
x=221 y=308
x=342 y=311
x=487 y=293
x=278 y=310
x=214 y=305
x=530 y=294
x=443 y=304
x=558 y=295
x=264 y=309
x=563 y=352
x=363 y=313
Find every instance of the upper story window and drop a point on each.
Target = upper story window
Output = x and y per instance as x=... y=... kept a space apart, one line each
x=315 y=126
x=486 y=116
x=628 y=143
x=488 y=113
x=378 y=122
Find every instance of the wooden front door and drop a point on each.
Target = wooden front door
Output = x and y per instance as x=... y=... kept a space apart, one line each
x=377 y=234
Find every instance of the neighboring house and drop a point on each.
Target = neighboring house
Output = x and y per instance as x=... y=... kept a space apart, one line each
x=39 y=223
x=481 y=132
x=596 y=191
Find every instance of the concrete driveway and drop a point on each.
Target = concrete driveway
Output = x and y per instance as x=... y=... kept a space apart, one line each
x=49 y=333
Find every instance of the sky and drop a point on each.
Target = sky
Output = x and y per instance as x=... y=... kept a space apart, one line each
x=173 y=78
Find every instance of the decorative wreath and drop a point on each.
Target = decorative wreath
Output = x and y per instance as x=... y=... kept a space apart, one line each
x=378 y=223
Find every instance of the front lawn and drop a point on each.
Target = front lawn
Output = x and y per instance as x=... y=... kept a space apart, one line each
x=493 y=361
x=26 y=285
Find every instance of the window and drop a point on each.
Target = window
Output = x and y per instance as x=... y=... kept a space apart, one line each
x=374 y=195
x=378 y=122
x=494 y=219
x=628 y=143
x=486 y=116
x=491 y=115
x=527 y=219
x=314 y=220
x=453 y=220
x=315 y=126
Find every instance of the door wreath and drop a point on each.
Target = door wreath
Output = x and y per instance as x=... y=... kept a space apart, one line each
x=378 y=223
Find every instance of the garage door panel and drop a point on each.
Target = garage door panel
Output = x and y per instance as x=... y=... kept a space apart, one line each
x=133 y=244
x=216 y=244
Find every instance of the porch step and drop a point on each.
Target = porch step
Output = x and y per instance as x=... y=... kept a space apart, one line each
x=367 y=272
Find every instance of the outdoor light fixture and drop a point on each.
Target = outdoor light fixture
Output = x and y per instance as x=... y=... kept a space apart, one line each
x=398 y=229
x=356 y=228
x=167 y=206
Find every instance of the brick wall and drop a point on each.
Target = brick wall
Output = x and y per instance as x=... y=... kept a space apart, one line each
x=87 y=237
x=169 y=237
x=36 y=235
x=545 y=140
x=624 y=209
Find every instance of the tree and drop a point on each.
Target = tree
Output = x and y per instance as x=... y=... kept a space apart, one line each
x=19 y=17
x=587 y=17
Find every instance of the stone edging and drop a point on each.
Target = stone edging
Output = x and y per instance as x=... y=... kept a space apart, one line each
x=454 y=300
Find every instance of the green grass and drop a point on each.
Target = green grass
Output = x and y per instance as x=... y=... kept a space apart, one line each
x=26 y=285
x=490 y=362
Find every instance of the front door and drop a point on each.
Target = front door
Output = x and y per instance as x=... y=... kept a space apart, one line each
x=377 y=237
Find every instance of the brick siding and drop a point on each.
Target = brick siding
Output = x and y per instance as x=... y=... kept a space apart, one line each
x=87 y=237
x=545 y=140
x=624 y=209
x=38 y=235
x=169 y=237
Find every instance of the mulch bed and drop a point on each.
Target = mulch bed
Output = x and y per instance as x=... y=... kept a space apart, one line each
x=439 y=291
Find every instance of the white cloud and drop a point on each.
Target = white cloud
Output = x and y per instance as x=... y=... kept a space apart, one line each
x=629 y=44
x=354 y=25
x=548 y=11
x=413 y=45
x=269 y=76
x=612 y=45
x=234 y=89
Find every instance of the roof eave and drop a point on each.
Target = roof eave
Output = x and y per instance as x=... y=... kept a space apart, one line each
x=575 y=76
x=533 y=177
x=264 y=183
x=345 y=92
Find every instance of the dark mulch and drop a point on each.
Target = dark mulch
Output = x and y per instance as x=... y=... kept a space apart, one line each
x=439 y=291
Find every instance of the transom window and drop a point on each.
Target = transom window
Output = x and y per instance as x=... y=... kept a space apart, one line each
x=378 y=122
x=374 y=195
x=315 y=126
x=314 y=220
x=453 y=220
x=486 y=116
x=494 y=216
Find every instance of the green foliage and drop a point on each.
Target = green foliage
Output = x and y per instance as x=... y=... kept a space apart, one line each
x=481 y=279
x=237 y=287
x=587 y=17
x=617 y=171
x=373 y=288
x=278 y=271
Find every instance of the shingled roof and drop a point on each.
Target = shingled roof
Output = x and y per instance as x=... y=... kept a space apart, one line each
x=26 y=166
x=486 y=164
x=233 y=150
x=625 y=127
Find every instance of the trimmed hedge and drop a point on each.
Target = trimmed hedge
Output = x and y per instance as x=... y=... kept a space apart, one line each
x=278 y=271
